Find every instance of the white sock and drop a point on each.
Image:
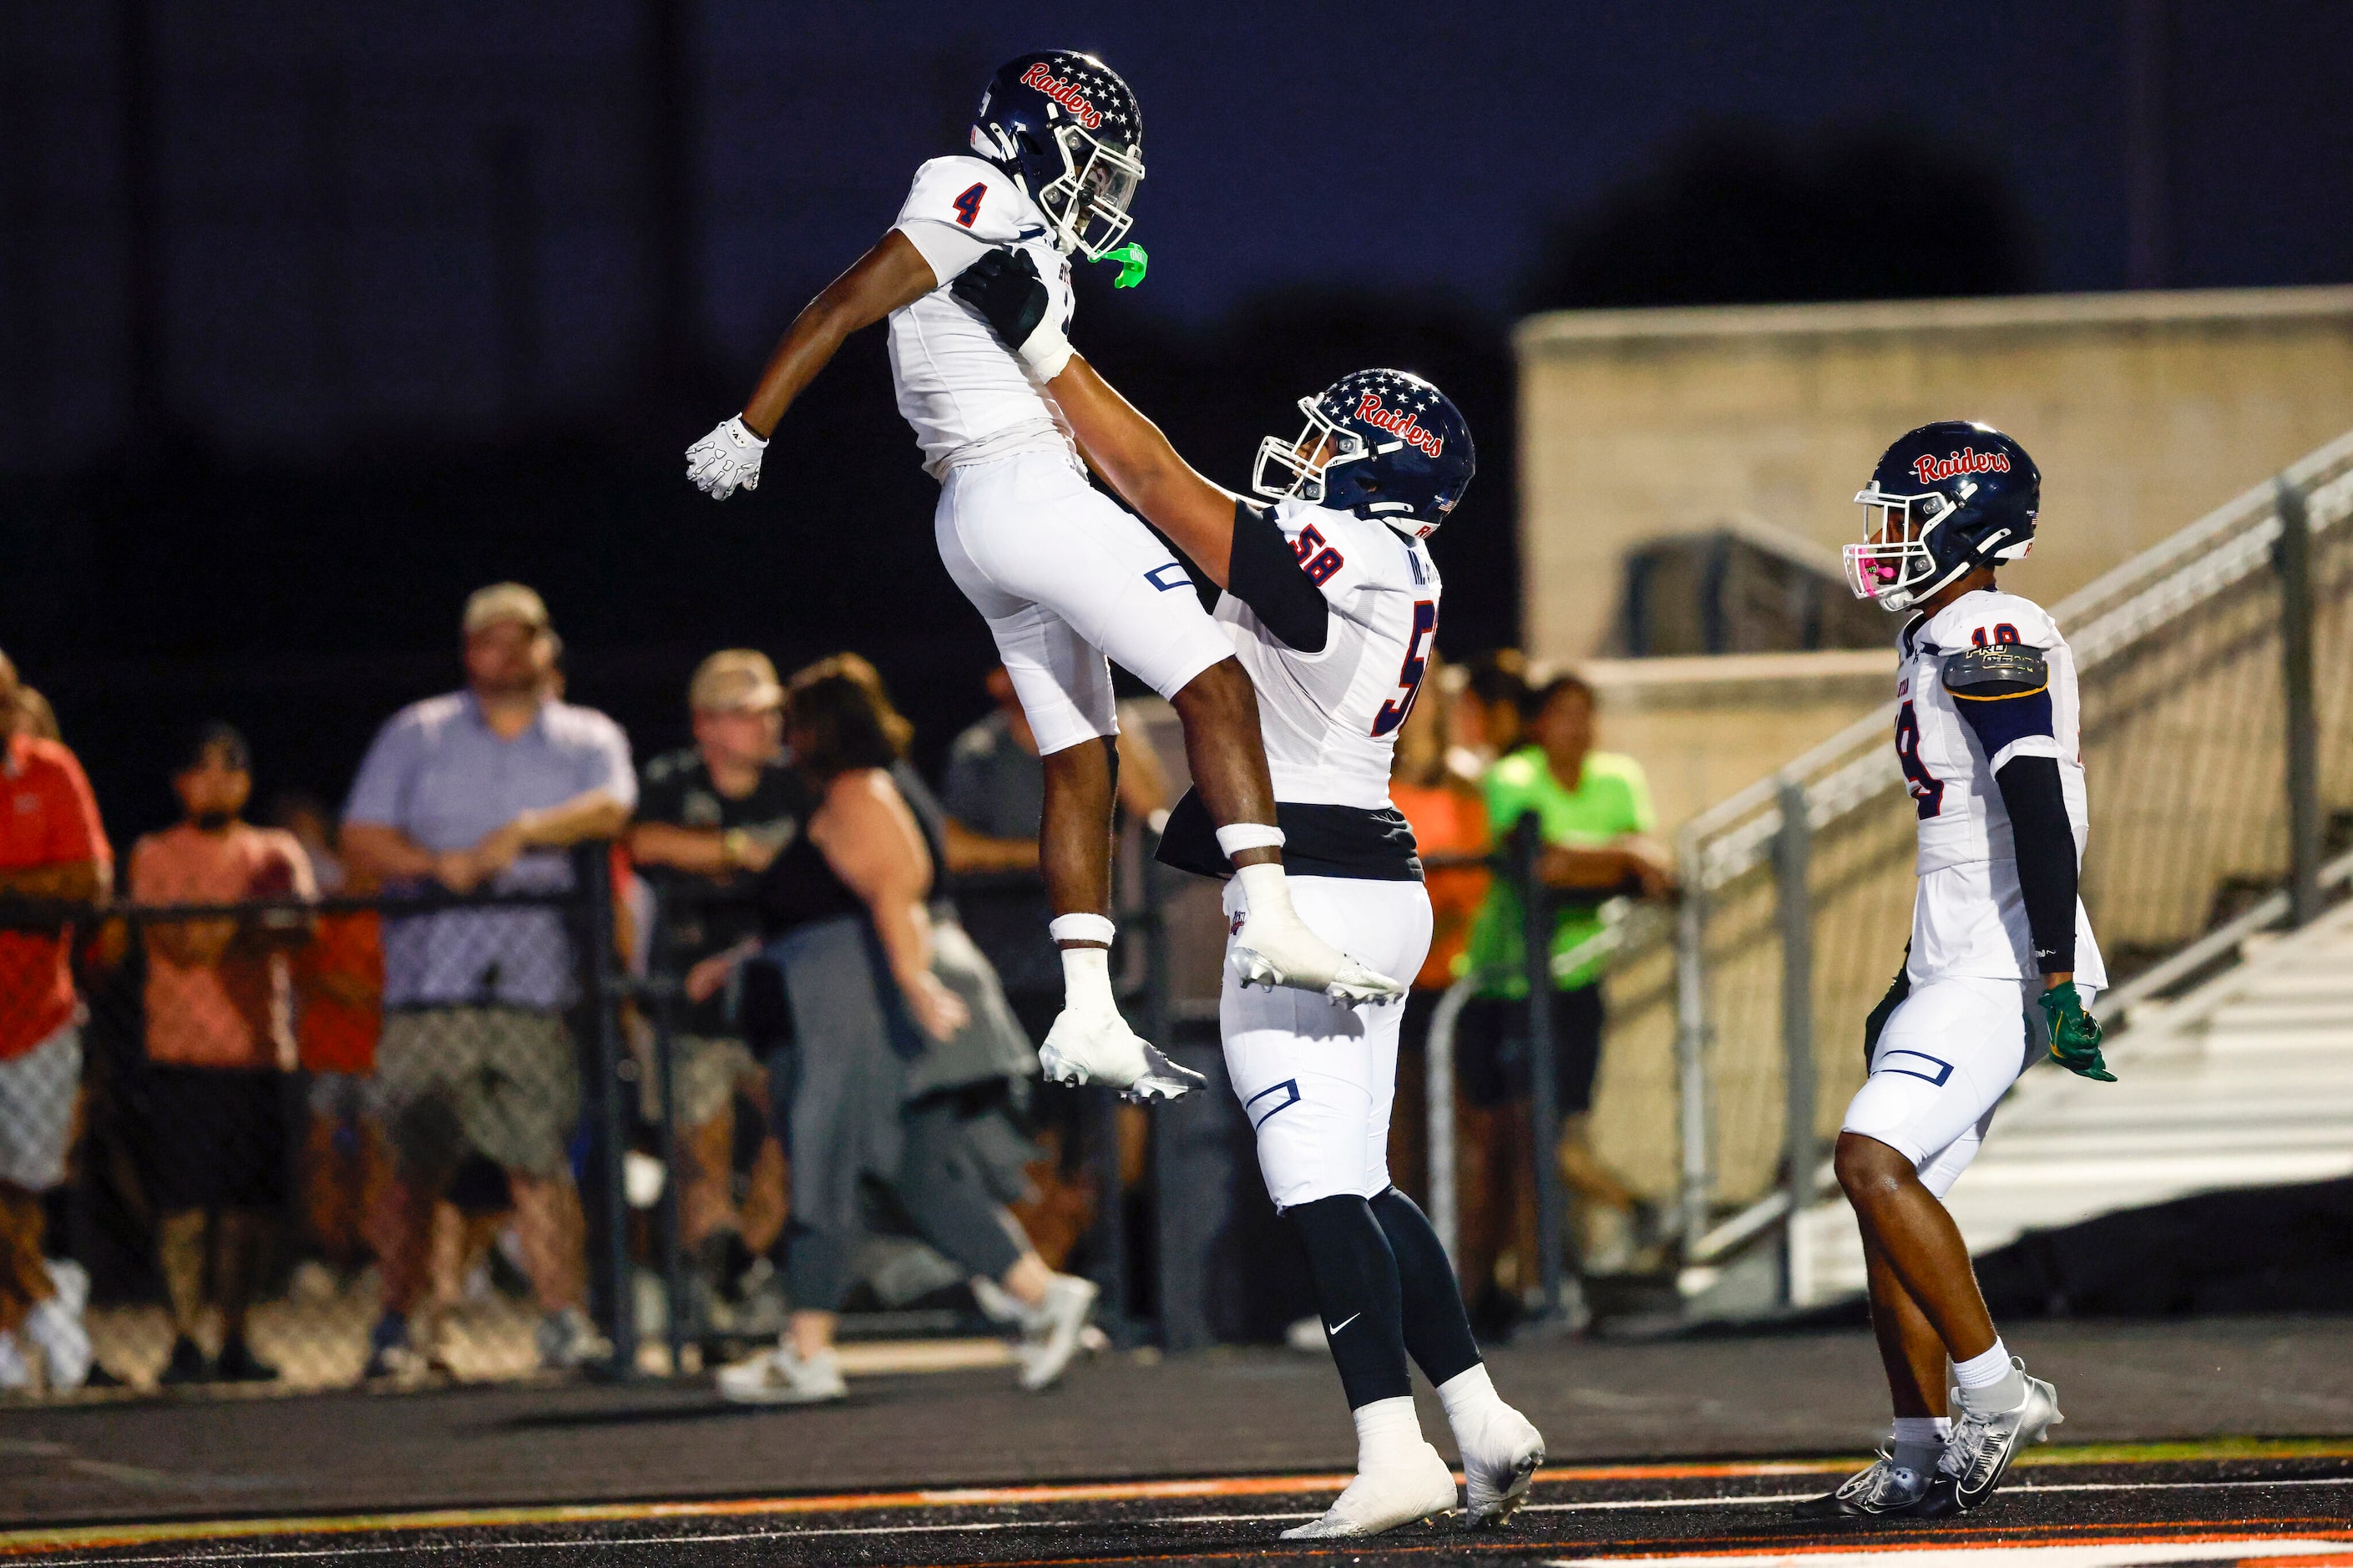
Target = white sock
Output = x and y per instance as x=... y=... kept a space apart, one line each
x=1389 y=1433
x=1266 y=891
x=1468 y=1397
x=1990 y=1384
x=1918 y=1440
x=1086 y=980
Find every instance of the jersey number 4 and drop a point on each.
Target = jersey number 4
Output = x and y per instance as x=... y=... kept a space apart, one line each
x=968 y=205
x=1927 y=790
x=1410 y=673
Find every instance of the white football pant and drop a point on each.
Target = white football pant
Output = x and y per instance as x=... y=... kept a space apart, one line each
x=1064 y=577
x=1317 y=1080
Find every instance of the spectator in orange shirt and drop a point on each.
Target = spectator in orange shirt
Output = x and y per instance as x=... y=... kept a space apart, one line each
x=338 y=1012
x=1450 y=822
x=219 y=1036
x=52 y=850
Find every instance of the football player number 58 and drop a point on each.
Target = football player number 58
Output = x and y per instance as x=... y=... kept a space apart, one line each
x=1410 y=673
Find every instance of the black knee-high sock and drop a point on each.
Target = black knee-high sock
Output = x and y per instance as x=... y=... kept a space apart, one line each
x=1437 y=1331
x=1356 y=1290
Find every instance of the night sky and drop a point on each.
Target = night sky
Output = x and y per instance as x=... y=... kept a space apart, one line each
x=408 y=328
x=334 y=176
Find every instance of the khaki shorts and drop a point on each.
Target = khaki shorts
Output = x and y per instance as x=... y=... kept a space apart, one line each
x=36 y=1104
x=502 y=1082
x=707 y=1069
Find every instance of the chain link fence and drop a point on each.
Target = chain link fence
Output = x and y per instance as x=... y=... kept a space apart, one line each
x=270 y=1123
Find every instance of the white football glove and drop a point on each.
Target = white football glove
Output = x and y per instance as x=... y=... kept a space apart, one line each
x=727 y=459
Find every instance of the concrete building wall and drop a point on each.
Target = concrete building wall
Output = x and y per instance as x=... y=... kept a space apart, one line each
x=2143 y=411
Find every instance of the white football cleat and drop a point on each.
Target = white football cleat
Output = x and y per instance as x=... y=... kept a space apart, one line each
x=1099 y=1047
x=780 y=1376
x=1383 y=1500
x=1278 y=952
x=1499 y=1460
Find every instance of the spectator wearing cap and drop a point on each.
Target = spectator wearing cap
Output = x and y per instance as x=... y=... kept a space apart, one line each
x=483 y=789
x=217 y=1007
x=710 y=817
x=53 y=851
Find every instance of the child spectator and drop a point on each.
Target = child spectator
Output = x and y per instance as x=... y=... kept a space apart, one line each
x=217 y=1034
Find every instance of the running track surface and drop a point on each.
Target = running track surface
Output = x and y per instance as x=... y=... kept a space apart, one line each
x=2261 y=1504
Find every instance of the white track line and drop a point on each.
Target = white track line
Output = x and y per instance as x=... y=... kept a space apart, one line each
x=1603 y=1505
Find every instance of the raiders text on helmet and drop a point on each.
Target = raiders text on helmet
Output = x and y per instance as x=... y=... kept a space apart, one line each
x=1945 y=499
x=1068 y=130
x=1383 y=443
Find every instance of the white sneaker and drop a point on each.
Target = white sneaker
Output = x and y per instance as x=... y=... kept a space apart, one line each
x=55 y=1326
x=1052 y=1336
x=780 y=1376
x=569 y=1341
x=1385 y=1498
x=1499 y=1460
x=1099 y=1047
x=1275 y=951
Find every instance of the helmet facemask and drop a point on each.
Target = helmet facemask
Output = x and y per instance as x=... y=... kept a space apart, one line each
x=1893 y=564
x=1321 y=446
x=1088 y=204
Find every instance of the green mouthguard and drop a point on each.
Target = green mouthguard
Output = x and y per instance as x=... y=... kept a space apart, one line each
x=1132 y=262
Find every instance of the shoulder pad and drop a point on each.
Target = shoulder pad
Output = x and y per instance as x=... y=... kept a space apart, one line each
x=1997 y=670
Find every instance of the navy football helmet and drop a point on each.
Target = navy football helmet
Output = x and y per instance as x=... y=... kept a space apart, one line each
x=1068 y=130
x=1945 y=499
x=1383 y=443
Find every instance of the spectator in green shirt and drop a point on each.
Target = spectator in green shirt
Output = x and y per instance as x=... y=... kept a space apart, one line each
x=1594 y=809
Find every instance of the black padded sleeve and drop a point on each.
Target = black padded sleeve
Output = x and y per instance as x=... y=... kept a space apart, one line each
x=1263 y=573
x=2046 y=858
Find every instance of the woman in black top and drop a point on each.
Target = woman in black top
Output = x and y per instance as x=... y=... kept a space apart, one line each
x=844 y=905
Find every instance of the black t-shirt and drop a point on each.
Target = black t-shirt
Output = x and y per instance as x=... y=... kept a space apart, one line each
x=702 y=915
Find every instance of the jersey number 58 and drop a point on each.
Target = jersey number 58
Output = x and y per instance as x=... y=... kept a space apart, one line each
x=1410 y=673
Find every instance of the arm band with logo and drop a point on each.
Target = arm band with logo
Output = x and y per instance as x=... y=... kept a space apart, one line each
x=2045 y=845
x=1264 y=573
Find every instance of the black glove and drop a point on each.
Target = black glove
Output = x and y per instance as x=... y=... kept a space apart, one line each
x=1005 y=288
x=2074 y=1034
x=1876 y=1019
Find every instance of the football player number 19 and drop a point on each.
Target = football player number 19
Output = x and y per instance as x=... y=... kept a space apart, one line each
x=1410 y=674
x=1927 y=791
x=968 y=205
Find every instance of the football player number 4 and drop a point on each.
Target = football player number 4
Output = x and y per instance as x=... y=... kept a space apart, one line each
x=1410 y=674
x=968 y=205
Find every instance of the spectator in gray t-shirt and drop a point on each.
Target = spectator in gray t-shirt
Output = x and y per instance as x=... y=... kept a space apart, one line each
x=486 y=788
x=995 y=795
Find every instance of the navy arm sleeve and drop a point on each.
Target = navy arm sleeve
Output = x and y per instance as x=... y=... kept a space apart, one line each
x=1264 y=573
x=2046 y=858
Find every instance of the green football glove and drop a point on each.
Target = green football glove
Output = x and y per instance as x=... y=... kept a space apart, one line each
x=1876 y=1019
x=2074 y=1034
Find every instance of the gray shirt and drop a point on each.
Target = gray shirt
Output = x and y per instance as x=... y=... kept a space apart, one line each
x=995 y=787
x=440 y=775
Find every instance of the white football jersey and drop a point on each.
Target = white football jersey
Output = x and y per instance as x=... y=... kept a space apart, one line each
x=1330 y=718
x=958 y=384
x=1969 y=916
